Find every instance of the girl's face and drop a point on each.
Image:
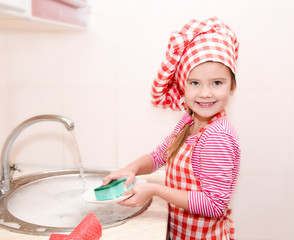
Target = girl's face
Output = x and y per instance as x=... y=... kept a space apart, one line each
x=208 y=89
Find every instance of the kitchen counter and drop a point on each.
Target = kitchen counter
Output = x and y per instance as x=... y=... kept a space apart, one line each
x=151 y=224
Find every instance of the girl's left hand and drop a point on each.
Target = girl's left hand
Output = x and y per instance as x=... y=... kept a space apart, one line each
x=141 y=193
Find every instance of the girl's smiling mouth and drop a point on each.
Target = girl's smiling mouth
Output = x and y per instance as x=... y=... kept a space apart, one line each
x=205 y=104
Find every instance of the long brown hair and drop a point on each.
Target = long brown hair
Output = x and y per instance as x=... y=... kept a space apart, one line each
x=175 y=145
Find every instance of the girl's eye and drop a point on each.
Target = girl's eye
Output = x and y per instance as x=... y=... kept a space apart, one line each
x=195 y=83
x=217 y=83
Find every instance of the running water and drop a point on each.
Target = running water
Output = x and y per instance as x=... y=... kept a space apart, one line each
x=82 y=172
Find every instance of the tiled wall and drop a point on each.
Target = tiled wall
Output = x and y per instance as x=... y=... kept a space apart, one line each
x=101 y=79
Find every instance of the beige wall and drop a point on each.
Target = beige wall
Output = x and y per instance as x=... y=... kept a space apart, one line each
x=101 y=79
x=4 y=107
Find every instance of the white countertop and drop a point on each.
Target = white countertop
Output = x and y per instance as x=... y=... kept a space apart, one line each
x=151 y=224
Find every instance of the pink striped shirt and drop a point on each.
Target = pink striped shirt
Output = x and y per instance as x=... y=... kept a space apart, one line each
x=215 y=162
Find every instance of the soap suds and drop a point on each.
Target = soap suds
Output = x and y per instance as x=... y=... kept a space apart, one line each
x=58 y=202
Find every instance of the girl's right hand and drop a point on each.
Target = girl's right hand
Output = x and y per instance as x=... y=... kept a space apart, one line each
x=119 y=174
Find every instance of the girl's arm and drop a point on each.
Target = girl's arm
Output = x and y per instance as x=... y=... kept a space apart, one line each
x=216 y=165
x=142 y=192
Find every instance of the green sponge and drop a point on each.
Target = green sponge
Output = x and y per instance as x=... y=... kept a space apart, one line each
x=112 y=190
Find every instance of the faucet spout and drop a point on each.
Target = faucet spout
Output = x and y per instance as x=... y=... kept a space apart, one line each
x=5 y=164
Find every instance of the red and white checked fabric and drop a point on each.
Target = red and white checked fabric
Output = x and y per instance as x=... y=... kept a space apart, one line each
x=182 y=224
x=197 y=42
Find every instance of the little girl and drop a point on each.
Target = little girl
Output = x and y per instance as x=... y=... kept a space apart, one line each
x=202 y=153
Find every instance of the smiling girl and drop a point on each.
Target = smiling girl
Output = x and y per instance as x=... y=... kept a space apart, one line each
x=202 y=153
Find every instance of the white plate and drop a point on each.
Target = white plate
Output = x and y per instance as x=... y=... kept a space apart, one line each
x=89 y=195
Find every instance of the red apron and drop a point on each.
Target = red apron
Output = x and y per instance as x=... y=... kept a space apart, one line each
x=185 y=225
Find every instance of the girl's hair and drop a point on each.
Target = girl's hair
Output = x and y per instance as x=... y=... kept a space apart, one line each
x=175 y=145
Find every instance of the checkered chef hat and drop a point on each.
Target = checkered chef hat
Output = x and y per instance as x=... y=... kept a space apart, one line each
x=197 y=42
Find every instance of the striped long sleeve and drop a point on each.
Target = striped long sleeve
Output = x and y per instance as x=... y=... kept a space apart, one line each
x=215 y=162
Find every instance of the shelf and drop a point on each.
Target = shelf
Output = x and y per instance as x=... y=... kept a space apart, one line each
x=45 y=15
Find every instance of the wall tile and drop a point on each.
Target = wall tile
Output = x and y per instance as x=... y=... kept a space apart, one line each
x=26 y=102
x=34 y=62
x=142 y=44
x=39 y=145
x=93 y=65
x=262 y=119
x=140 y=127
x=93 y=111
x=259 y=207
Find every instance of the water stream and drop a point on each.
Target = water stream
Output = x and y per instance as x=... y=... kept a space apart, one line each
x=80 y=163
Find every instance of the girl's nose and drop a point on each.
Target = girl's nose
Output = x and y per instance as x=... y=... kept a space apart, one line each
x=205 y=92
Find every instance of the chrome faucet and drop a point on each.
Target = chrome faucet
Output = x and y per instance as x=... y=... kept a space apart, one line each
x=5 y=163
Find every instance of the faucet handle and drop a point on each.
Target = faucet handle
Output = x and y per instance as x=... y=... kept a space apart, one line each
x=14 y=167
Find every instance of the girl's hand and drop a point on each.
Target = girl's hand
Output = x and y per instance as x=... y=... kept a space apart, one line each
x=119 y=174
x=141 y=193
x=143 y=165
